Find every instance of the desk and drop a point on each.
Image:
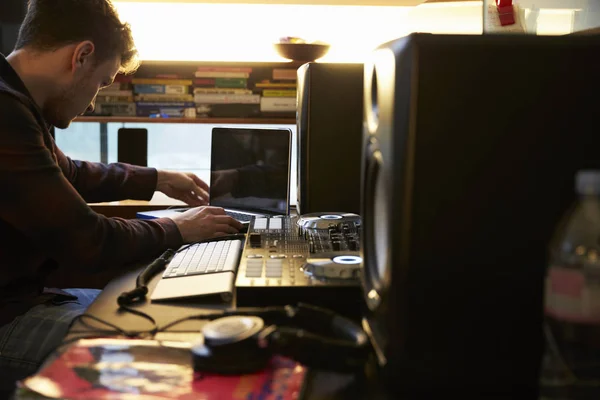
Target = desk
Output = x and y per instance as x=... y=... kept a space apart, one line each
x=320 y=385
x=128 y=208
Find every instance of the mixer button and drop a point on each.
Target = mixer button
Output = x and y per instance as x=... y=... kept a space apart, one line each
x=297 y=256
x=278 y=256
x=275 y=224
x=254 y=256
x=260 y=223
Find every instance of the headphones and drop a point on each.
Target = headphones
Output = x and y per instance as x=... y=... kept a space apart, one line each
x=243 y=341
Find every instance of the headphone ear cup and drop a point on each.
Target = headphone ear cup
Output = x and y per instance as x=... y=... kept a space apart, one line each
x=231 y=346
x=230 y=359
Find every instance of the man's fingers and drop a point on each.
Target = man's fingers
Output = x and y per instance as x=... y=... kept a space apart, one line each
x=200 y=193
x=199 y=183
x=228 y=220
x=193 y=200
x=228 y=229
x=214 y=210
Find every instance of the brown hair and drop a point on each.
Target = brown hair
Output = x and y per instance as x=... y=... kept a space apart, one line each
x=50 y=24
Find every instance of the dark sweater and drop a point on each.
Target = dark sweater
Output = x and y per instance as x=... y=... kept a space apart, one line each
x=45 y=221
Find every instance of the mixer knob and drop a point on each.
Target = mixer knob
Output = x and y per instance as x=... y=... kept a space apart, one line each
x=311 y=246
x=336 y=244
x=353 y=245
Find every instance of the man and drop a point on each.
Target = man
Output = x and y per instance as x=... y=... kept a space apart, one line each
x=66 y=51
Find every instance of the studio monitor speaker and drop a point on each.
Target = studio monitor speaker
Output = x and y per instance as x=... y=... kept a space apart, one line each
x=470 y=148
x=132 y=147
x=329 y=132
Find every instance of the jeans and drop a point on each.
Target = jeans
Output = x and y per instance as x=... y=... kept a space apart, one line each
x=26 y=340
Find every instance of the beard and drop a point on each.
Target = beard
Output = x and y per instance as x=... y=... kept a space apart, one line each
x=61 y=109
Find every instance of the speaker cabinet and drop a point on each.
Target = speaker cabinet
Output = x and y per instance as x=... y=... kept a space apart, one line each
x=12 y=13
x=132 y=146
x=470 y=148
x=329 y=131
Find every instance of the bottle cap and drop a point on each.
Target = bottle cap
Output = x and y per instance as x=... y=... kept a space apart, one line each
x=588 y=182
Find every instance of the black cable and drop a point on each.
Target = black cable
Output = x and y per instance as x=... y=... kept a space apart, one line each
x=141 y=283
x=209 y=316
x=116 y=329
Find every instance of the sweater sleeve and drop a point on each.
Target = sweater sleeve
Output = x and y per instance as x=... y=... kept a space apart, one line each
x=38 y=200
x=98 y=182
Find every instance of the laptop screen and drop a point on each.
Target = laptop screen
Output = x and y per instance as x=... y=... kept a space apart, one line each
x=250 y=169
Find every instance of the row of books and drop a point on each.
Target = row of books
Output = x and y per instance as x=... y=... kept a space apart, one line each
x=211 y=92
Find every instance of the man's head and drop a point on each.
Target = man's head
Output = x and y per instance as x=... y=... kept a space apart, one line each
x=89 y=46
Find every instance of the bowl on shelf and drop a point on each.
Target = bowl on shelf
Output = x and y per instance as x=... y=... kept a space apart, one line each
x=304 y=52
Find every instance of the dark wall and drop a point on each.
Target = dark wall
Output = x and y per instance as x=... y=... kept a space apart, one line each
x=12 y=13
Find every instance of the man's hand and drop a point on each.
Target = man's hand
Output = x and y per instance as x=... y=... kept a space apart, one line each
x=223 y=181
x=183 y=186
x=201 y=223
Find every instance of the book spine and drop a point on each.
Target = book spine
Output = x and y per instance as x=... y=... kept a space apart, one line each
x=150 y=81
x=227 y=98
x=101 y=98
x=279 y=93
x=224 y=69
x=165 y=104
x=115 y=109
x=277 y=85
x=221 y=74
x=159 y=98
x=221 y=91
x=163 y=112
x=285 y=74
x=161 y=89
x=278 y=104
x=113 y=92
x=239 y=83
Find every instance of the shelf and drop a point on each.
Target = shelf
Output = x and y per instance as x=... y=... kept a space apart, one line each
x=266 y=121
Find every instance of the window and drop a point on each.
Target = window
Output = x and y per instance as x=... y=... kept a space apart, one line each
x=178 y=147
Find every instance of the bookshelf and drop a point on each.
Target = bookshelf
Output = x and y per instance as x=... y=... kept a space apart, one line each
x=245 y=121
x=252 y=79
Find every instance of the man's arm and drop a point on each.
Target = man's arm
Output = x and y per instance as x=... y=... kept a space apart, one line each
x=98 y=182
x=37 y=199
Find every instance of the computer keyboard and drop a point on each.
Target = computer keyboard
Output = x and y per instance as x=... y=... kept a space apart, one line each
x=205 y=258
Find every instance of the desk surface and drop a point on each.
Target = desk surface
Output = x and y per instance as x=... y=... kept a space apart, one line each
x=321 y=385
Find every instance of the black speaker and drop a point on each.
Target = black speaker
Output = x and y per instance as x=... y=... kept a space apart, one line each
x=132 y=147
x=329 y=130
x=12 y=13
x=471 y=145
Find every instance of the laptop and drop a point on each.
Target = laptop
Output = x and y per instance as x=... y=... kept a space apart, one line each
x=249 y=173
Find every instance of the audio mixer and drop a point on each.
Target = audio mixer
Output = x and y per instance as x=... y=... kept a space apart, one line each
x=313 y=258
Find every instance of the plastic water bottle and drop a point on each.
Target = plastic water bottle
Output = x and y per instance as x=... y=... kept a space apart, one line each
x=571 y=363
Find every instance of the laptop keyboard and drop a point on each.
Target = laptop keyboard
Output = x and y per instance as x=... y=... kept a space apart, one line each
x=205 y=258
x=240 y=216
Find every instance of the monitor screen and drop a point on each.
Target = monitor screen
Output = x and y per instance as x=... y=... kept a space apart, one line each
x=250 y=169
